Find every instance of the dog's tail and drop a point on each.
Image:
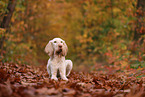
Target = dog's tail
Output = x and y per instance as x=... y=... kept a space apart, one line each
x=69 y=66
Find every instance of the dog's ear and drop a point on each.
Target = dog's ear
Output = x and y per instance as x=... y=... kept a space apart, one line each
x=49 y=48
x=65 y=49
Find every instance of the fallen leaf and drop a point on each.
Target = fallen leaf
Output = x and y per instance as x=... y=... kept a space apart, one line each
x=5 y=90
x=47 y=91
x=68 y=92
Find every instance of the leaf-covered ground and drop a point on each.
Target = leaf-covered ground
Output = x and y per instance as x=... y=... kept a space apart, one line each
x=29 y=81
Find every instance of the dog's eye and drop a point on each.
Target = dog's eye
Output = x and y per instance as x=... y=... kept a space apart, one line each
x=54 y=41
x=61 y=42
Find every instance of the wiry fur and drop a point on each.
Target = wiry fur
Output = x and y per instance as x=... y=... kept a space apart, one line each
x=57 y=50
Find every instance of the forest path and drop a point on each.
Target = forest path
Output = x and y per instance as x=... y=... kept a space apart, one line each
x=31 y=81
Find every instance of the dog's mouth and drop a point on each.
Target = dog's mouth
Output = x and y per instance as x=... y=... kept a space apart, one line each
x=59 y=51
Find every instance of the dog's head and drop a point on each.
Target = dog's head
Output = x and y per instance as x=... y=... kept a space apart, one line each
x=56 y=46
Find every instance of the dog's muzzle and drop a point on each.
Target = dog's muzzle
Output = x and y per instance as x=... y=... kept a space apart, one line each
x=59 y=51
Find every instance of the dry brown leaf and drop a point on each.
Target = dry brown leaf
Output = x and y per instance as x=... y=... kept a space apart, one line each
x=5 y=90
x=68 y=92
x=136 y=91
x=47 y=91
x=127 y=90
x=28 y=84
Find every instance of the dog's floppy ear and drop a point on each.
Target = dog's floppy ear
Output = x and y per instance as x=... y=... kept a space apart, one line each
x=65 y=49
x=49 y=48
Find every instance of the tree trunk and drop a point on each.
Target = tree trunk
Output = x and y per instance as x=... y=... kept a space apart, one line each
x=140 y=26
x=6 y=21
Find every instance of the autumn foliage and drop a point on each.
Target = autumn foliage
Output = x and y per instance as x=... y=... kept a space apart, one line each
x=93 y=30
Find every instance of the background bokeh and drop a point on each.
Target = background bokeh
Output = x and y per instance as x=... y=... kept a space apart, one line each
x=106 y=32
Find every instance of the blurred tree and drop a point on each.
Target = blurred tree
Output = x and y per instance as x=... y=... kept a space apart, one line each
x=140 y=25
x=6 y=21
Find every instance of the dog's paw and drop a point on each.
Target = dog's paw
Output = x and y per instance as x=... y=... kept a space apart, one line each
x=54 y=78
x=64 y=78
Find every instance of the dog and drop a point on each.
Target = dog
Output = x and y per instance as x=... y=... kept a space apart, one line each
x=57 y=64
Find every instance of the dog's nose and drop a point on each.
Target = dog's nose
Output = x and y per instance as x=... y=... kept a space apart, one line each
x=60 y=46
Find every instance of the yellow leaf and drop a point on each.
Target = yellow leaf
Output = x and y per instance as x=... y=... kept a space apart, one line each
x=123 y=64
x=124 y=47
x=85 y=35
x=48 y=5
x=116 y=10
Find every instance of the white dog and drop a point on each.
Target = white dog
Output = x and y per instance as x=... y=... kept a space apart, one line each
x=57 y=50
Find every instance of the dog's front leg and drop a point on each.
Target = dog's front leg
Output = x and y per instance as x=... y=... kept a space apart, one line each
x=54 y=72
x=62 y=71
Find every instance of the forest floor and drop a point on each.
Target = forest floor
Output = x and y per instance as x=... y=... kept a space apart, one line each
x=30 y=81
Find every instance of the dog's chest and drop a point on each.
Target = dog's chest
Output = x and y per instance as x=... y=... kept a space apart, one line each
x=58 y=61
